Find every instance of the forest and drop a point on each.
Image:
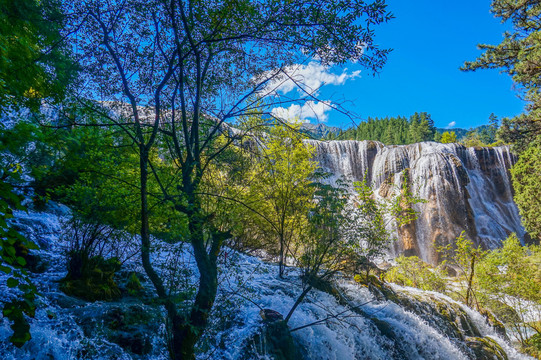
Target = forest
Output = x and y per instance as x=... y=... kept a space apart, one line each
x=154 y=204
x=419 y=127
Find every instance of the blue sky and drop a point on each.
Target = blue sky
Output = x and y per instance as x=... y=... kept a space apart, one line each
x=431 y=40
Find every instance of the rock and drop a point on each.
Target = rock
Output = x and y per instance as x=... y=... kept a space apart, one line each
x=486 y=349
x=130 y=326
x=269 y=315
x=36 y=263
x=275 y=340
x=495 y=323
x=66 y=302
x=134 y=340
x=120 y=317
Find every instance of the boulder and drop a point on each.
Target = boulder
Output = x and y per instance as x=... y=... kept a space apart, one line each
x=274 y=340
x=133 y=339
x=269 y=315
x=484 y=348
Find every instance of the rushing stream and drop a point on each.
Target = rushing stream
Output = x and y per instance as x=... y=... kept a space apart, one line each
x=381 y=328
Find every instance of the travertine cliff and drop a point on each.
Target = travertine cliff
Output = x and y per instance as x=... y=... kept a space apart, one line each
x=465 y=188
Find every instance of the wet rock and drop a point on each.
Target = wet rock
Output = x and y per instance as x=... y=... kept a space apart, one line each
x=486 y=349
x=37 y=263
x=64 y=301
x=270 y=315
x=133 y=339
x=275 y=340
x=495 y=323
x=130 y=326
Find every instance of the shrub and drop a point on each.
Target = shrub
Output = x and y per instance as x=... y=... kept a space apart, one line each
x=133 y=285
x=91 y=278
x=412 y=271
x=95 y=253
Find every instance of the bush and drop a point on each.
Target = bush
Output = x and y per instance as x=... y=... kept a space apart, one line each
x=90 y=273
x=412 y=271
x=91 y=278
x=133 y=285
x=532 y=346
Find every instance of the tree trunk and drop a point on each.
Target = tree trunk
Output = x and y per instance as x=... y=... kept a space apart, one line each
x=469 y=290
x=298 y=302
x=282 y=260
x=187 y=330
x=145 y=228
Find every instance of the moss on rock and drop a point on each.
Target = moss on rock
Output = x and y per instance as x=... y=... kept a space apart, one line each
x=91 y=278
x=485 y=348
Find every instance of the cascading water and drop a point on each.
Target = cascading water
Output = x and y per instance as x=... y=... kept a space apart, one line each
x=407 y=327
x=467 y=189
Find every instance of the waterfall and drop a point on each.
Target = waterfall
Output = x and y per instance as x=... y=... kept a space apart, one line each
x=466 y=189
x=409 y=328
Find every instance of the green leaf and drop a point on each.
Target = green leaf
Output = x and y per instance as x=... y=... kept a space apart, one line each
x=12 y=282
x=21 y=261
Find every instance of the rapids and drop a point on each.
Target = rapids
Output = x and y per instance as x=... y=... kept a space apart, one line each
x=381 y=328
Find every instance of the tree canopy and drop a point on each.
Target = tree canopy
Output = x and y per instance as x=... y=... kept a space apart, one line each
x=33 y=62
x=517 y=55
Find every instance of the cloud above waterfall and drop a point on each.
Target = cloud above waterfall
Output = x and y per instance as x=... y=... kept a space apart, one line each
x=309 y=110
x=451 y=125
x=307 y=79
x=297 y=87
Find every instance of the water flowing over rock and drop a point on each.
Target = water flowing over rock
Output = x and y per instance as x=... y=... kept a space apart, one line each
x=362 y=323
x=466 y=189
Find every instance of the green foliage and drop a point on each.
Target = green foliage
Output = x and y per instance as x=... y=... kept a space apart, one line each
x=374 y=220
x=371 y=224
x=33 y=64
x=134 y=284
x=412 y=271
x=91 y=278
x=394 y=131
x=466 y=257
x=526 y=176
x=448 y=137
x=532 y=346
x=472 y=139
x=515 y=55
x=488 y=133
x=484 y=135
x=282 y=188
x=325 y=249
x=511 y=275
x=94 y=170
x=13 y=249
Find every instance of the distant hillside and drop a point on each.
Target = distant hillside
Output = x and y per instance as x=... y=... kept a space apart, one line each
x=460 y=133
x=319 y=131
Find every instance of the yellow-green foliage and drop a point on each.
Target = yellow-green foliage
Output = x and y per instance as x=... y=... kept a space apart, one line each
x=507 y=277
x=465 y=256
x=280 y=189
x=448 y=137
x=133 y=284
x=532 y=346
x=412 y=271
x=91 y=278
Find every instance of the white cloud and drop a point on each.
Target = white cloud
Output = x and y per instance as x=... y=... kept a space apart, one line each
x=307 y=78
x=451 y=124
x=309 y=110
